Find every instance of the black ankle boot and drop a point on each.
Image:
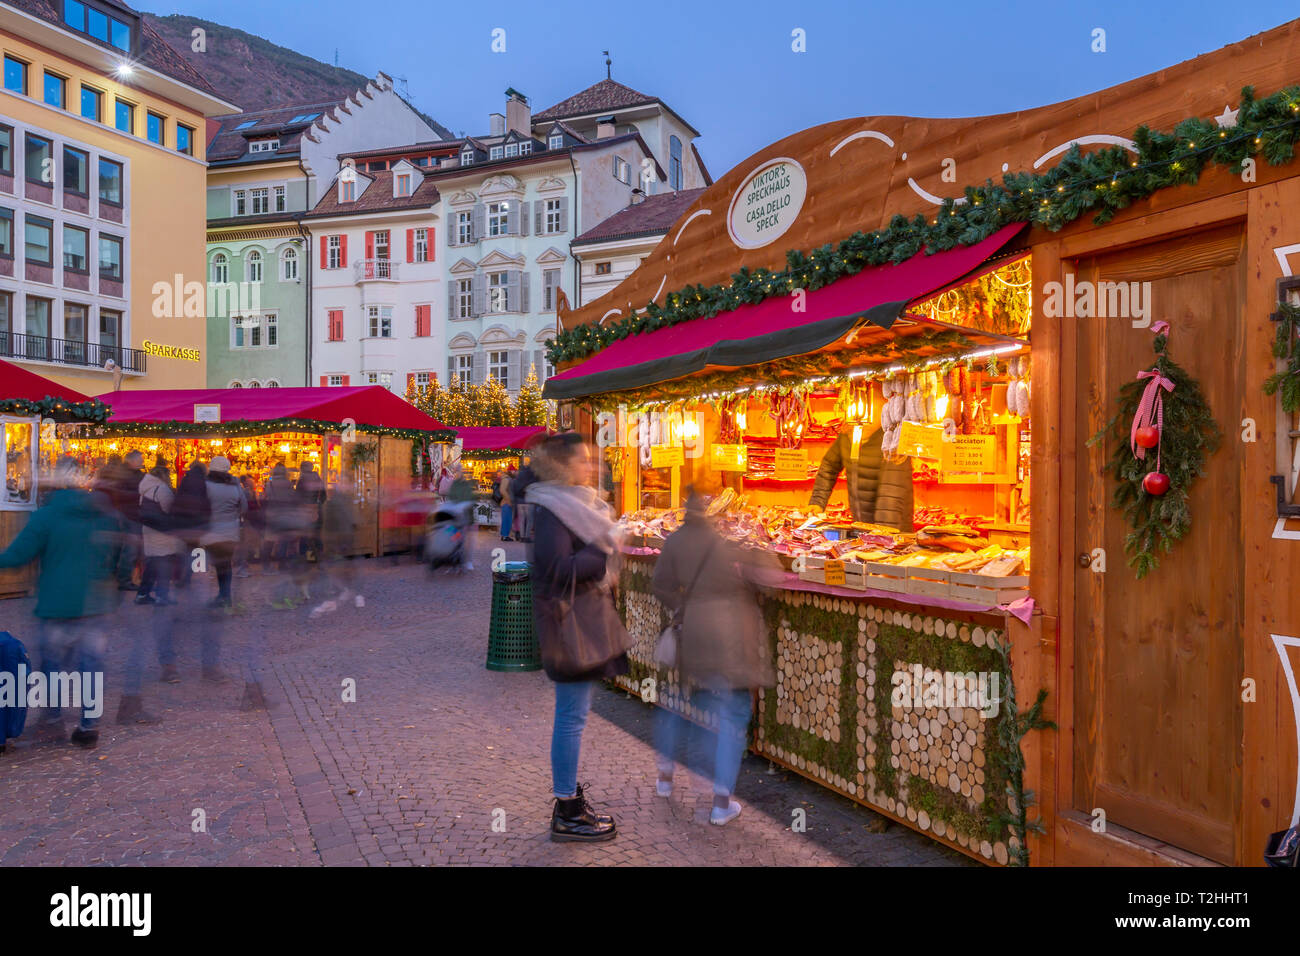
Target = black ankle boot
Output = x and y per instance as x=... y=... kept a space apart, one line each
x=573 y=821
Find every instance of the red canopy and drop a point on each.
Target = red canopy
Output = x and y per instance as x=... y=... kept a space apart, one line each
x=17 y=382
x=493 y=438
x=370 y=405
x=772 y=329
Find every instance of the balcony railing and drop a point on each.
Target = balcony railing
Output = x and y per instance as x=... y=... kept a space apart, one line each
x=38 y=348
x=367 y=270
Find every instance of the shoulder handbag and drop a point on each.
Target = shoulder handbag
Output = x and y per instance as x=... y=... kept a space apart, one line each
x=667 y=647
x=152 y=515
x=589 y=632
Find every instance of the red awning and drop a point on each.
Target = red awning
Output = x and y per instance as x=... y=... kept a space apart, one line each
x=370 y=405
x=493 y=438
x=772 y=329
x=17 y=382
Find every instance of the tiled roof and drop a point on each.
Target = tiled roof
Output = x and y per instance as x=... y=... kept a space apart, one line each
x=601 y=98
x=378 y=197
x=655 y=214
x=230 y=142
x=154 y=51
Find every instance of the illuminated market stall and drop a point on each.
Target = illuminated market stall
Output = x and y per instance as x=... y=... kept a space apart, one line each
x=1027 y=451
x=367 y=432
x=28 y=402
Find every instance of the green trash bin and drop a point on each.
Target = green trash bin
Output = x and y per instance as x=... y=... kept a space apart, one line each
x=512 y=640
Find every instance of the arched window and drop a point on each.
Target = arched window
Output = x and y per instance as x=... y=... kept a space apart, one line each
x=254 y=384
x=220 y=268
x=254 y=266
x=674 y=163
x=236 y=384
x=272 y=383
x=289 y=265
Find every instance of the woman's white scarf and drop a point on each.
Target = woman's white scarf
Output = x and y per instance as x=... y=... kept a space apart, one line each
x=580 y=510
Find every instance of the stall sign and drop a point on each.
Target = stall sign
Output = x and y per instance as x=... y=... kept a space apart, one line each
x=977 y=453
x=667 y=456
x=791 y=463
x=207 y=413
x=834 y=572
x=921 y=441
x=767 y=203
x=729 y=457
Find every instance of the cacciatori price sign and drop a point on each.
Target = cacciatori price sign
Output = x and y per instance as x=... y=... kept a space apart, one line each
x=791 y=463
x=767 y=203
x=921 y=441
x=977 y=453
x=667 y=456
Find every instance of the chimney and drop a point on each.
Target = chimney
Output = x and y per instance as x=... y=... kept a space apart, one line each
x=497 y=122
x=519 y=116
x=638 y=196
x=605 y=127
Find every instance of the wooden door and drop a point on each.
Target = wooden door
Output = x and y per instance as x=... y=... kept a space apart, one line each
x=1158 y=662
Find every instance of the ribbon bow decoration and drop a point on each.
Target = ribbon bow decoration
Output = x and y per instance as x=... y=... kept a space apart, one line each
x=1151 y=408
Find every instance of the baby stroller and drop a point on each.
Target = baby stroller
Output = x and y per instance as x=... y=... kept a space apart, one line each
x=446 y=544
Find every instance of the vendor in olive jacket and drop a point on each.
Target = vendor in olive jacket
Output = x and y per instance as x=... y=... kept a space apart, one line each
x=880 y=492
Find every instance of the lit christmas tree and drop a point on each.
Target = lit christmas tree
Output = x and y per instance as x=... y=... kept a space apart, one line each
x=530 y=407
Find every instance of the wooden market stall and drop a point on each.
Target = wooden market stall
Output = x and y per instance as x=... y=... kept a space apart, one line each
x=486 y=450
x=28 y=401
x=367 y=431
x=1146 y=240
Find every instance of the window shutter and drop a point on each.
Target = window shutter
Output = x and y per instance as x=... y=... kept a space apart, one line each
x=343 y=251
x=423 y=319
x=512 y=290
x=451 y=300
x=480 y=367
x=324 y=381
x=451 y=369
x=524 y=305
x=512 y=218
x=410 y=381
x=430 y=255
x=347 y=379
x=478 y=222
x=410 y=245
x=564 y=214
x=523 y=219
x=539 y=363
x=370 y=244
x=452 y=221
x=513 y=370
x=539 y=217
x=478 y=296
x=324 y=252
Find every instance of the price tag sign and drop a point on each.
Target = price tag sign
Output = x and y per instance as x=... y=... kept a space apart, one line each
x=729 y=457
x=978 y=453
x=834 y=572
x=920 y=441
x=791 y=463
x=667 y=456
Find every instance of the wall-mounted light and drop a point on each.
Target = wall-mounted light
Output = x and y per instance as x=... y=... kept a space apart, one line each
x=124 y=70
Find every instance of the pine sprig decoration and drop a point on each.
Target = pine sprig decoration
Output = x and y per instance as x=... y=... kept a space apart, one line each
x=1284 y=347
x=1189 y=436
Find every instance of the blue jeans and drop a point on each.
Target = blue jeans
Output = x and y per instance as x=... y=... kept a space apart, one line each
x=74 y=644
x=733 y=709
x=507 y=519
x=572 y=703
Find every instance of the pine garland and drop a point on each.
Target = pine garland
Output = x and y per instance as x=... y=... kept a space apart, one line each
x=1190 y=434
x=1284 y=347
x=93 y=411
x=1105 y=182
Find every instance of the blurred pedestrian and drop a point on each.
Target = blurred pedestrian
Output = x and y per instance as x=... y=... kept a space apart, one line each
x=160 y=546
x=311 y=498
x=74 y=537
x=507 y=503
x=190 y=513
x=523 y=518
x=280 y=516
x=226 y=498
x=707 y=583
x=250 y=537
x=575 y=559
x=338 y=538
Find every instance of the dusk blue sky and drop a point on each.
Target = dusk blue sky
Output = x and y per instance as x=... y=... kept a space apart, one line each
x=727 y=67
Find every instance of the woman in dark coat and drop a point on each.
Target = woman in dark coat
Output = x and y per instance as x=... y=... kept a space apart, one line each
x=575 y=550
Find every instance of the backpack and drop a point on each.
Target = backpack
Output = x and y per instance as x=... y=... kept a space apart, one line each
x=191 y=508
x=13 y=657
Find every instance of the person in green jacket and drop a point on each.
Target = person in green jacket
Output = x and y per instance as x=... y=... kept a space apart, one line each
x=880 y=491
x=73 y=535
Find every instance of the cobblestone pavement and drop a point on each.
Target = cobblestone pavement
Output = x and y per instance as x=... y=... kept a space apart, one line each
x=434 y=751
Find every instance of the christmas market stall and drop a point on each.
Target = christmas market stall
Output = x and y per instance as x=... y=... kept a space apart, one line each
x=486 y=451
x=366 y=433
x=31 y=408
x=1016 y=400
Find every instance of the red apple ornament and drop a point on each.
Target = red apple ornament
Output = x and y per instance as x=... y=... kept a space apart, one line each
x=1148 y=436
x=1155 y=483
